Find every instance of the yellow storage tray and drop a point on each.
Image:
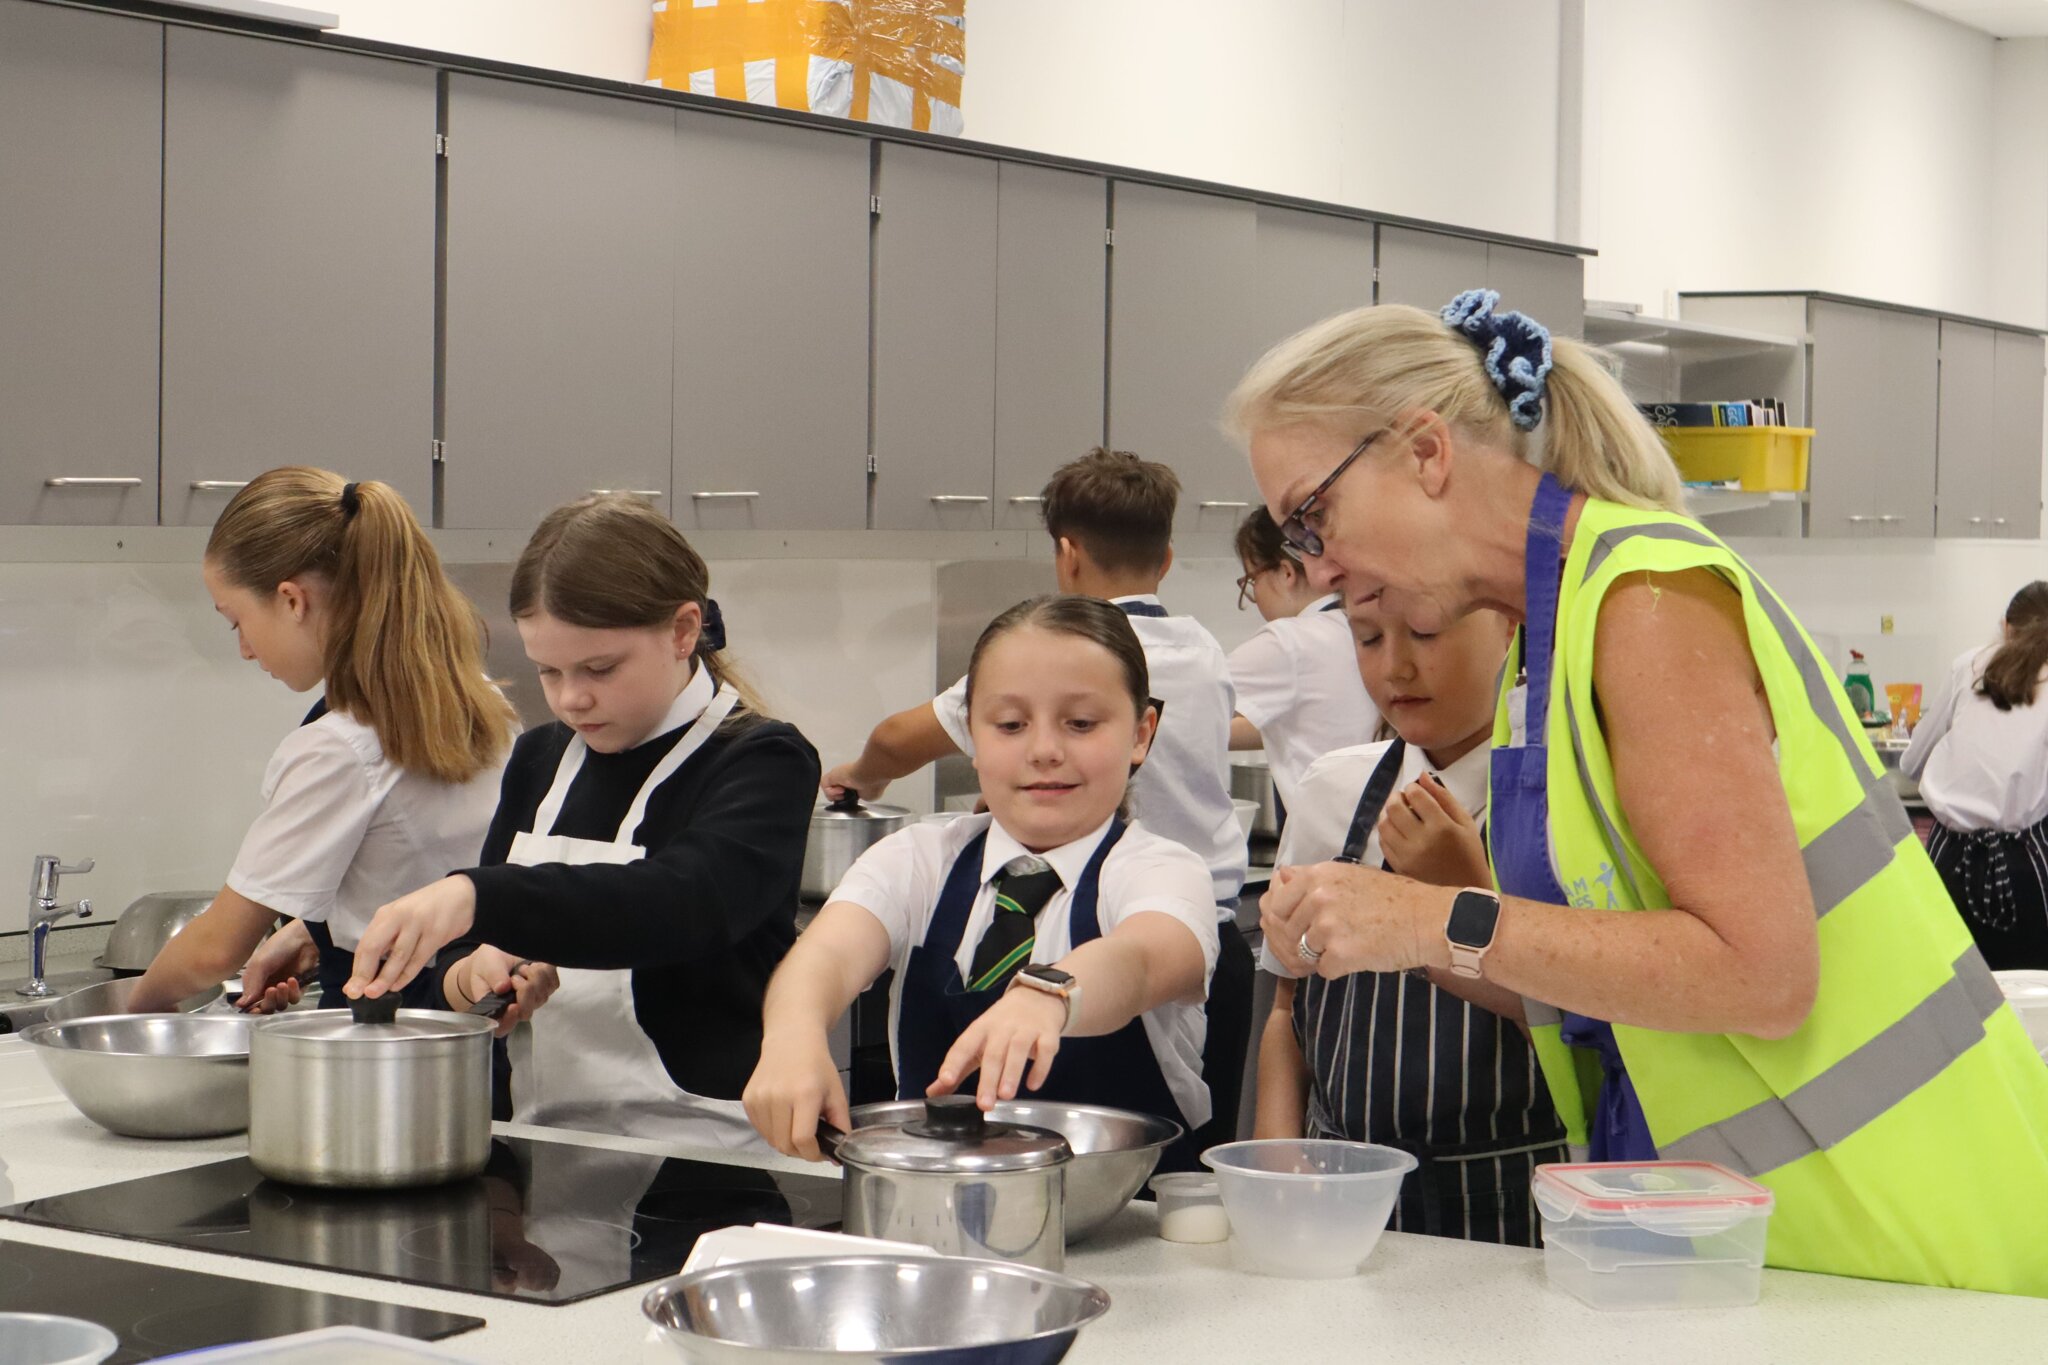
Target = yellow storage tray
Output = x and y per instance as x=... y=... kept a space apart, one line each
x=1765 y=459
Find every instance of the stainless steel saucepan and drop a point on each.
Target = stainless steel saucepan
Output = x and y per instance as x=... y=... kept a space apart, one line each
x=840 y=833
x=372 y=1098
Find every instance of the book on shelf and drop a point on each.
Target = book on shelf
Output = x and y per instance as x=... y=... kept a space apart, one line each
x=1748 y=412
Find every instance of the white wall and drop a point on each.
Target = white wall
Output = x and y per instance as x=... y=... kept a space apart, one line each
x=607 y=38
x=1843 y=145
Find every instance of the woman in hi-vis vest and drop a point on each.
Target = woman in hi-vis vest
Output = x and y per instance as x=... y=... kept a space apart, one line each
x=1730 y=944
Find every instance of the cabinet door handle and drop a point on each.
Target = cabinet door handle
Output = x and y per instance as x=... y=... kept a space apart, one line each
x=733 y=495
x=1028 y=497
x=1976 y=521
x=974 y=498
x=1856 y=520
x=87 y=481
x=218 y=485
x=1219 y=504
x=1888 y=519
x=648 y=493
x=1998 y=521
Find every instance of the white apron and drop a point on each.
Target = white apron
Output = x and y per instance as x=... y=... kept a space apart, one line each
x=584 y=1061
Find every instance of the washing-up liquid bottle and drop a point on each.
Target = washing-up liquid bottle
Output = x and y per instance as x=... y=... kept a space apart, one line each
x=1862 y=695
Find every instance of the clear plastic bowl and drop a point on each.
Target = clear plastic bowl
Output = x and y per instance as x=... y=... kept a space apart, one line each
x=1190 y=1207
x=1306 y=1208
x=45 y=1339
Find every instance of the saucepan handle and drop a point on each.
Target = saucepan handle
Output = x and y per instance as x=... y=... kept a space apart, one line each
x=830 y=1135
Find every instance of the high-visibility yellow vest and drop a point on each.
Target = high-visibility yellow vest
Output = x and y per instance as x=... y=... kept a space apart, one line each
x=1904 y=1126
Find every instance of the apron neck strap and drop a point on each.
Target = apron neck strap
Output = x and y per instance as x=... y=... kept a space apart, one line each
x=1542 y=568
x=1372 y=801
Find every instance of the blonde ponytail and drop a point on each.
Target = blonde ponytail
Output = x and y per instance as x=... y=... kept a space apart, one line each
x=1367 y=365
x=404 y=647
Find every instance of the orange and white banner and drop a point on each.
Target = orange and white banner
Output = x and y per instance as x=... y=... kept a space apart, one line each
x=896 y=62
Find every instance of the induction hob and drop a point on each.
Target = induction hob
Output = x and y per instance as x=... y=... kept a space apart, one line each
x=547 y=1222
x=158 y=1311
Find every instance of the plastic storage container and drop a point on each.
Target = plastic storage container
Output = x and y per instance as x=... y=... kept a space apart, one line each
x=1653 y=1234
x=1312 y=1209
x=46 y=1339
x=1763 y=459
x=1190 y=1207
x=2027 y=993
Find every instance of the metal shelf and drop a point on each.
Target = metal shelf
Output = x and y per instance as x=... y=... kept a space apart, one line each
x=1694 y=340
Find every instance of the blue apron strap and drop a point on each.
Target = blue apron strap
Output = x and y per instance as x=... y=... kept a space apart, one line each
x=1543 y=565
x=1372 y=801
x=956 y=901
x=1083 y=924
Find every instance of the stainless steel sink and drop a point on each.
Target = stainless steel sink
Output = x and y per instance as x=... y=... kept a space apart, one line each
x=18 y=1012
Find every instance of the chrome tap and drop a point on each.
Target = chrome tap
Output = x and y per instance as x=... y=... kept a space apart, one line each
x=43 y=911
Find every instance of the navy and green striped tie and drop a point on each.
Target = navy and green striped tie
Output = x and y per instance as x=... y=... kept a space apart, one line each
x=1022 y=888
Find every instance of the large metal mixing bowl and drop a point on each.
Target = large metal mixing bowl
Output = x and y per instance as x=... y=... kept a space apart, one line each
x=1114 y=1150
x=152 y=1075
x=105 y=997
x=941 y=1310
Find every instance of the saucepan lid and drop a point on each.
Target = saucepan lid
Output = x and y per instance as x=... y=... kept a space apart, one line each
x=952 y=1136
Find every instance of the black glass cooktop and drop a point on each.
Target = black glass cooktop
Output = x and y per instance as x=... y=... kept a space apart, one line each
x=547 y=1222
x=158 y=1311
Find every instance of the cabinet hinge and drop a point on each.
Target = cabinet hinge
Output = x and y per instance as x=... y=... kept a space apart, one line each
x=1375 y=274
x=871 y=465
x=440 y=453
x=440 y=144
x=1109 y=236
x=874 y=206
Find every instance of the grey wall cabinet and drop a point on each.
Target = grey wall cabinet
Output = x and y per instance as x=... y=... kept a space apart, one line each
x=1183 y=327
x=1429 y=269
x=770 y=243
x=2017 y=431
x=1051 y=273
x=935 y=341
x=560 y=345
x=1875 y=399
x=81 y=136
x=298 y=279
x=1966 y=431
x=1310 y=266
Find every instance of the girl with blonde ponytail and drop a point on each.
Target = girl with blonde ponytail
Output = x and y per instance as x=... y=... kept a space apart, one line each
x=393 y=775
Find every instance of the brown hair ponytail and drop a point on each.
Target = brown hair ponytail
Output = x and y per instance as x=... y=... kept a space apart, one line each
x=611 y=562
x=404 y=647
x=2014 y=672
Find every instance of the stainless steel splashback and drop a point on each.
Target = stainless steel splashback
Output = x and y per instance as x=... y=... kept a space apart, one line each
x=971 y=593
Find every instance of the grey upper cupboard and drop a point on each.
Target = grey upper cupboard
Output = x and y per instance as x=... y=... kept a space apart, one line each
x=934 y=340
x=770 y=243
x=1966 y=435
x=1183 y=328
x=1310 y=265
x=81 y=134
x=560 y=345
x=1051 y=276
x=1874 y=407
x=298 y=276
x=1428 y=269
x=2017 y=399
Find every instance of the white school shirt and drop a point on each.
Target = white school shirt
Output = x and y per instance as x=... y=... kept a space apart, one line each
x=343 y=830
x=900 y=879
x=1297 y=679
x=1183 y=789
x=1981 y=768
x=1317 y=827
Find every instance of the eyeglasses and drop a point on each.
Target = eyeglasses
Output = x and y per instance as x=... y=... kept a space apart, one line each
x=1296 y=530
x=1247 y=590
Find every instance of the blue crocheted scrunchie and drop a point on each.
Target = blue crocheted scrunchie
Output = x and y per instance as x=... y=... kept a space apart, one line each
x=1514 y=346
x=714 y=627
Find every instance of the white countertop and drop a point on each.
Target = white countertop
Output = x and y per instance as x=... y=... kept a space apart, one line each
x=1420 y=1299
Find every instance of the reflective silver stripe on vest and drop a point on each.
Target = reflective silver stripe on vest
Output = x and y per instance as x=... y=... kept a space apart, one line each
x=1859 y=1088
x=1846 y=855
x=1540 y=1015
x=1607 y=826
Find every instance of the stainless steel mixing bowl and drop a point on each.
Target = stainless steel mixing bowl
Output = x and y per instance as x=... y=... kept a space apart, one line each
x=152 y=1075
x=808 y=1310
x=1115 y=1150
